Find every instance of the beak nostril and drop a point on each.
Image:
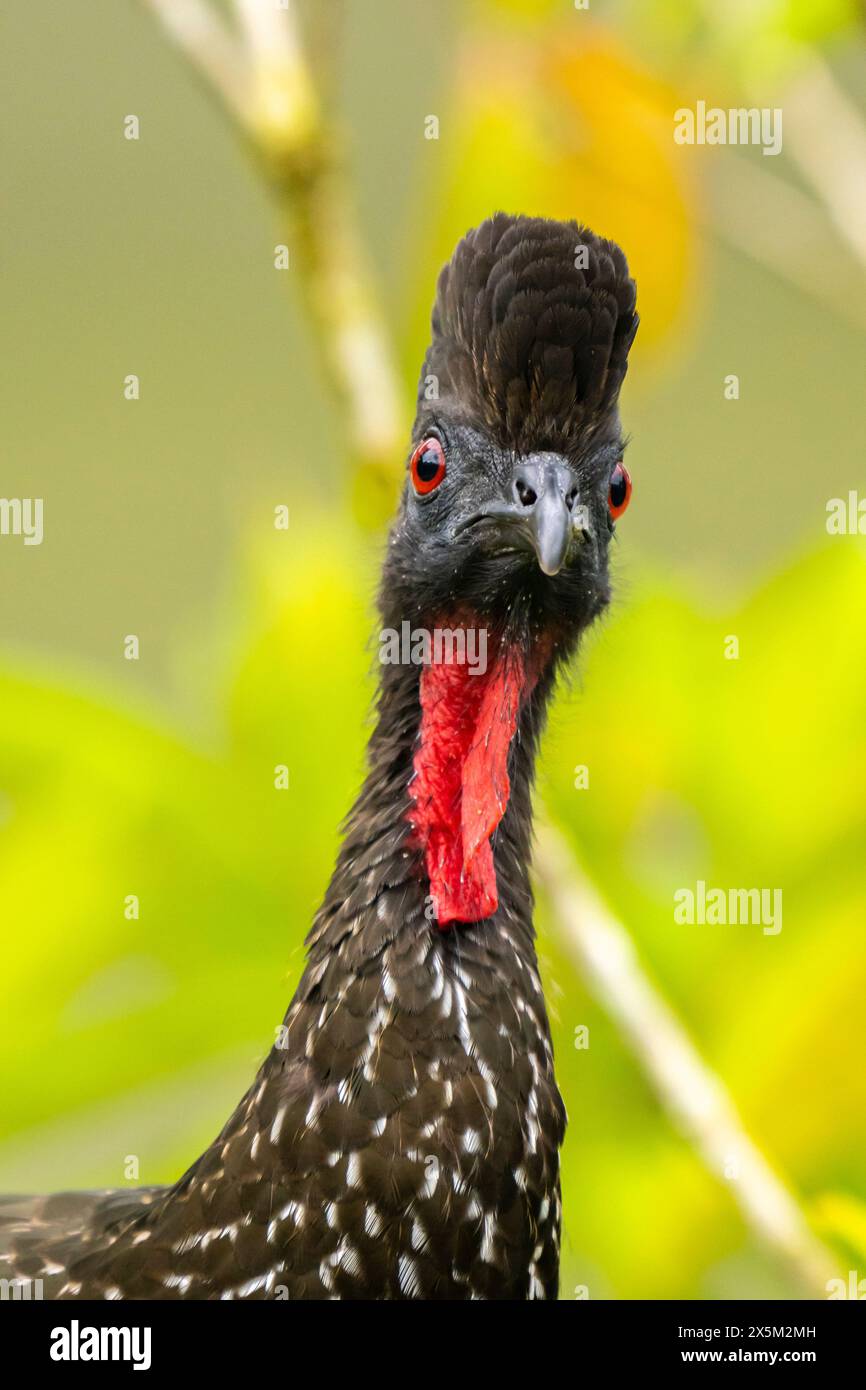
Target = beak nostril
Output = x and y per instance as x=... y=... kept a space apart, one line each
x=527 y=496
x=571 y=498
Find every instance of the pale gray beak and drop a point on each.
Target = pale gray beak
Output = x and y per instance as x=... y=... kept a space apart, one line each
x=545 y=491
x=544 y=505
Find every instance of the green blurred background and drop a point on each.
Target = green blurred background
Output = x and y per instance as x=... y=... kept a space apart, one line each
x=155 y=777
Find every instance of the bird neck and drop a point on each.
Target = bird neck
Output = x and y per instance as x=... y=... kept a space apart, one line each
x=444 y=817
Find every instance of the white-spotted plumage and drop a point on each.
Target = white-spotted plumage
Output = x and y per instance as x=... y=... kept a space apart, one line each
x=402 y=1138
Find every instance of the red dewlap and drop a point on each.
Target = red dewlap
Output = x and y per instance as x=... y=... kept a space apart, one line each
x=461 y=784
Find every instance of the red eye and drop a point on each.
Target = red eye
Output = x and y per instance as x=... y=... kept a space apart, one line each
x=427 y=466
x=619 y=495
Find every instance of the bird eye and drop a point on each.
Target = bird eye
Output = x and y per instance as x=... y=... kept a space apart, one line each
x=427 y=466
x=619 y=494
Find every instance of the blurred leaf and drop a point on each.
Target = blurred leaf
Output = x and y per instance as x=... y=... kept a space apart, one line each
x=756 y=41
x=842 y=1217
x=566 y=124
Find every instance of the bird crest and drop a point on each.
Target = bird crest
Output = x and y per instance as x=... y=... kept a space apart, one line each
x=531 y=329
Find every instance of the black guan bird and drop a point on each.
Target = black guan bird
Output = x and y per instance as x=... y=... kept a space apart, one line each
x=401 y=1140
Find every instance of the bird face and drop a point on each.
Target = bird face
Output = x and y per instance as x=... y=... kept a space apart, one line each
x=512 y=544
x=515 y=474
x=518 y=539
x=514 y=482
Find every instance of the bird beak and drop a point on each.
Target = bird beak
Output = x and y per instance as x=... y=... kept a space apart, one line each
x=544 y=493
x=550 y=531
x=542 y=510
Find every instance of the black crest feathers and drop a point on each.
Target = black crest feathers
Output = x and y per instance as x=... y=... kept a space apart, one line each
x=532 y=326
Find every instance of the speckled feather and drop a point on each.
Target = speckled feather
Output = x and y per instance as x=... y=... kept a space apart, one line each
x=402 y=1138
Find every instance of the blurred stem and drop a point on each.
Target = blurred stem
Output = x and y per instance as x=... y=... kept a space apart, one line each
x=260 y=74
x=203 y=37
x=826 y=135
x=691 y=1092
x=777 y=225
x=770 y=219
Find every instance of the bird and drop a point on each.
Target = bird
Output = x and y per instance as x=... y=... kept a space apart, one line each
x=401 y=1139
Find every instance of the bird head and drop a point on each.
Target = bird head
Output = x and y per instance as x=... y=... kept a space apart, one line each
x=515 y=479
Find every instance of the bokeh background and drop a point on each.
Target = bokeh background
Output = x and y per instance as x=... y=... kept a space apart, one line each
x=155 y=778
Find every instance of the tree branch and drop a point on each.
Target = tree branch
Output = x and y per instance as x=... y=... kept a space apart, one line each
x=207 y=42
x=826 y=135
x=784 y=230
x=261 y=77
x=694 y=1096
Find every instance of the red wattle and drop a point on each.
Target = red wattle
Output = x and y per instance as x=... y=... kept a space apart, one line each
x=461 y=785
